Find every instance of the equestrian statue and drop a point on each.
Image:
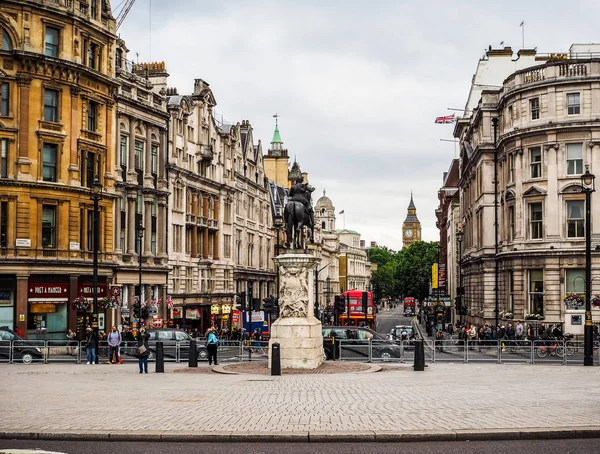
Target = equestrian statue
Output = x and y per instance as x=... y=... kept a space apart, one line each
x=298 y=214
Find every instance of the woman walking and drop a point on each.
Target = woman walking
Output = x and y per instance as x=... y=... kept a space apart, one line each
x=212 y=343
x=142 y=349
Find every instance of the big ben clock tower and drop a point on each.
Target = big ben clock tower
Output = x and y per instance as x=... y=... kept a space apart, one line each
x=411 y=228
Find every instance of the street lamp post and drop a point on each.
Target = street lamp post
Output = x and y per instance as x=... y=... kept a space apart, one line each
x=589 y=185
x=459 y=238
x=140 y=234
x=96 y=196
x=278 y=223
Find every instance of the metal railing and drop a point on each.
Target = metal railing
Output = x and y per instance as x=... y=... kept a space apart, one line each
x=71 y=351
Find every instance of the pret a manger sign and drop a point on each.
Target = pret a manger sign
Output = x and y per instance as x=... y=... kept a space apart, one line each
x=41 y=293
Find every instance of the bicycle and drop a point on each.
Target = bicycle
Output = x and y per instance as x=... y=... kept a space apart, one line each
x=554 y=349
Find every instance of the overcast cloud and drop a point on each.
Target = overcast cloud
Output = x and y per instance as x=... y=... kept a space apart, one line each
x=357 y=83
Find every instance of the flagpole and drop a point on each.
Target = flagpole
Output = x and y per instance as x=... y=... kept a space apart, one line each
x=523 y=33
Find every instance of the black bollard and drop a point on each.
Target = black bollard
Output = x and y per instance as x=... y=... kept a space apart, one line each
x=193 y=355
x=275 y=359
x=160 y=358
x=419 y=355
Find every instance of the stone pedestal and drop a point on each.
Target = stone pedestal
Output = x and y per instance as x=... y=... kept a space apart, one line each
x=297 y=330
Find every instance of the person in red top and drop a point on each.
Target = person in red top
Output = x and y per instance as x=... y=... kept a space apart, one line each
x=18 y=331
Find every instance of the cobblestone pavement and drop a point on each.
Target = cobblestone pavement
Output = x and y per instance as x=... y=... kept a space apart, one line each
x=55 y=397
x=329 y=367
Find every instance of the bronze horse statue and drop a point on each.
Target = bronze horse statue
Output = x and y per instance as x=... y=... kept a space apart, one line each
x=298 y=214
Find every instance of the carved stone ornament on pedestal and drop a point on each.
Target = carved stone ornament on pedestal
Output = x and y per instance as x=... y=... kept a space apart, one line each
x=297 y=330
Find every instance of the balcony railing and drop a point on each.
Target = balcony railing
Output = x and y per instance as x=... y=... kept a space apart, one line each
x=554 y=70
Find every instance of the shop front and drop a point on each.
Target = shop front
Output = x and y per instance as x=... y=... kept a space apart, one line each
x=187 y=318
x=87 y=314
x=7 y=307
x=47 y=310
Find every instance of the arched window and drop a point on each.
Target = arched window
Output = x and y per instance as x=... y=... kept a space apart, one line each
x=322 y=211
x=323 y=225
x=6 y=42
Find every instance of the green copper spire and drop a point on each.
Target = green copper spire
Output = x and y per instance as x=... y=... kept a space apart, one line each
x=276 y=136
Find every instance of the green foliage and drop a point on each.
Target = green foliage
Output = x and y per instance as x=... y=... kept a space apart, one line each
x=403 y=273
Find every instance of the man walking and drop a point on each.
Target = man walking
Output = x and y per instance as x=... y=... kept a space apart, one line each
x=114 y=342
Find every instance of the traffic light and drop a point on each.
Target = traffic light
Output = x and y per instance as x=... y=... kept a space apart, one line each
x=256 y=304
x=275 y=309
x=268 y=304
x=242 y=301
x=365 y=302
x=339 y=304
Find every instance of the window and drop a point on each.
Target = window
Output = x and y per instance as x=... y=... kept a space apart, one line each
x=50 y=105
x=48 y=226
x=154 y=156
x=139 y=155
x=575 y=281
x=227 y=245
x=51 y=42
x=49 y=158
x=92 y=116
x=119 y=58
x=139 y=203
x=94 y=56
x=535 y=159
x=511 y=222
x=123 y=151
x=575 y=218
x=227 y=211
x=574 y=159
x=177 y=232
x=94 y=8
x=511 y=168
x=573 y=106
x=88 y=171
x=5 y=99
x=176 y=279
x=534 y=105
x=536 y=216
x=3 y=158
x=6 y=41
x=511 y=291
x=536 y=292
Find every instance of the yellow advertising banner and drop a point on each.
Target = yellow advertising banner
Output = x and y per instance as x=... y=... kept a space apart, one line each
x=434 y=275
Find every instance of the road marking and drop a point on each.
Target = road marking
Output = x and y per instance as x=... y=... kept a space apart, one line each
x=28 y=451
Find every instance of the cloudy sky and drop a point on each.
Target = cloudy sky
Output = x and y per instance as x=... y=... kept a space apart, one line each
x=357 y=83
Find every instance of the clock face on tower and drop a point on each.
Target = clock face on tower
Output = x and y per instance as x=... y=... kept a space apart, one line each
x=408 y=233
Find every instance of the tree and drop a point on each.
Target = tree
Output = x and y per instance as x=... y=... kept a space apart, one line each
x=383 y=280
x=413 y=272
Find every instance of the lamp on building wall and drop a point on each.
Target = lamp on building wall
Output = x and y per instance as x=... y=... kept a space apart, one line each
x=459 y=293
x=96 y=196
x=140 y=235
x=588 y=183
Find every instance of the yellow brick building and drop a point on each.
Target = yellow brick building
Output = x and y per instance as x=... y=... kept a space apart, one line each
x=56 y=137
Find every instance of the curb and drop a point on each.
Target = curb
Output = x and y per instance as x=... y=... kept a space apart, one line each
x=221 y=370
x=312 y=436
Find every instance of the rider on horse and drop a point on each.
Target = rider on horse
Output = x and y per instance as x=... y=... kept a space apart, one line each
x=301 y=192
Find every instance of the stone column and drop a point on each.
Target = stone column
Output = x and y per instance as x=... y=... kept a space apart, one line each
x=131 y=151
x=24 y=160
x=21 y=303
x=148 y=226
x=552 y=218
x=148 y=158
x=117 y=223
x=297 y=331
x=161 y=243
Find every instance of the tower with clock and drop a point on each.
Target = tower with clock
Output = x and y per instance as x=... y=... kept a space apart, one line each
x=411 y=228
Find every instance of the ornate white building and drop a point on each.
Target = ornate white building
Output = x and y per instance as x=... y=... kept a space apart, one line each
x=328 y=247
x=547 y=135
x=355 y=268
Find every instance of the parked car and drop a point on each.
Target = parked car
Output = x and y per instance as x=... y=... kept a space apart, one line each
x=401 y=332
x=355 y=343
x=23 y=350
x=170 y=337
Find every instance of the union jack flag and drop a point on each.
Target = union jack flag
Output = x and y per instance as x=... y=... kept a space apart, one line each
x=445 y=119
x=170 y=302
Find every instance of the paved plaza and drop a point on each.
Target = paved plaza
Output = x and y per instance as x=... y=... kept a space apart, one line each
x=108 y=398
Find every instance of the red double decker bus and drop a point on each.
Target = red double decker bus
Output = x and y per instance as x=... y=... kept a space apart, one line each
x=357 y=317
x=409 y=306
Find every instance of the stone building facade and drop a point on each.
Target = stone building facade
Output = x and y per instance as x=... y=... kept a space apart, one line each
x=252 y=222
x=546 y=137
x=56 y=137
x=141 y=187
x=354 y=266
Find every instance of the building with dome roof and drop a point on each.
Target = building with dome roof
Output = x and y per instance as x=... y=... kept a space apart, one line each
x=328 y=245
